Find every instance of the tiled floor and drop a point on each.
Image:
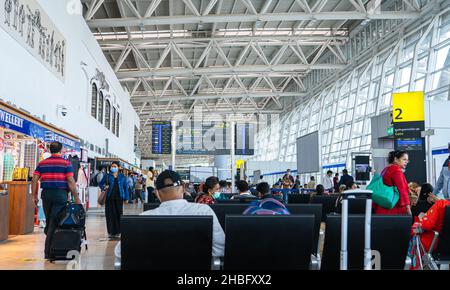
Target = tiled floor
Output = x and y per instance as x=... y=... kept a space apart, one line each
x=27 y=252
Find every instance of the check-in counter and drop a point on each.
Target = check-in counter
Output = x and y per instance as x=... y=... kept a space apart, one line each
x=21 y=208
x=4 y=212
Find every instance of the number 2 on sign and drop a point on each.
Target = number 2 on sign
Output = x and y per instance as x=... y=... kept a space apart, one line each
x=399 y=115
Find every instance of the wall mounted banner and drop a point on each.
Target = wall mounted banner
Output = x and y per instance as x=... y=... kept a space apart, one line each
x=409 y=121
x=29 y=25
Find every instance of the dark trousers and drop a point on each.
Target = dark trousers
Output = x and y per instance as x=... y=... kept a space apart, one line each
x=151 y=197
x=113 y=212
x=54 y=201
x=138 y=195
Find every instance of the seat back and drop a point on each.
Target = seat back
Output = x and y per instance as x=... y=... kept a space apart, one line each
x=328 y=203
x=314 y=209
x=150 y=206
x=298 y=198
x=234 y=201
x=268 y=242
x=443 y=248
x=166 y=242
x=390 y=236
x=223 y=209
x=355 y=206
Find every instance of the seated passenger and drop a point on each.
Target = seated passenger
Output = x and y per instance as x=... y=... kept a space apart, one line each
x=425 y=225
x=170 y=192
x=320 y=190
x=268 y=204
x=263 y=189
x=210 y=191
x=413 y=192
x=426 y=193
x=224 y=188
x=342 y=188
x=243 y=189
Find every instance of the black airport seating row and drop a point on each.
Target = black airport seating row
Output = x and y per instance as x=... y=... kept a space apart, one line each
x=265 y=242
x=223 y=210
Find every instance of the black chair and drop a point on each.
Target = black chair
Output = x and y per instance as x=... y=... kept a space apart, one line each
x=150 y=206
x=355 y=206
x=234 y=201
x=316 y=210
x=442 y=253
x=268 y=242
x=223 y=209
x=298 y=198
x=421 y=206
x=328 y=203
x=390 y=236
x=181 y=242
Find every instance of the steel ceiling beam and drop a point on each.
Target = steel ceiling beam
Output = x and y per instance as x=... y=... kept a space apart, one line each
x=227 y=18
x=286 y=68
x=144 y=98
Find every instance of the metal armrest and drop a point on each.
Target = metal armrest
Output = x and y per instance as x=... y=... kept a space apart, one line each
x=117 y=264
x=315 y=262
x=436 y=235
x=217 y=263
x=408 y=263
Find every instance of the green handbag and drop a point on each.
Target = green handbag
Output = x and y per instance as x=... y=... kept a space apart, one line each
x=383 y=195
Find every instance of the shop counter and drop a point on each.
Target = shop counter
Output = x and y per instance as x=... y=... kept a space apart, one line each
x=21 y=208
x=4 y=214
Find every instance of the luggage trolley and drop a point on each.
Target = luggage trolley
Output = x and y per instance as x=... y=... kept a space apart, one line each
x=367 y=228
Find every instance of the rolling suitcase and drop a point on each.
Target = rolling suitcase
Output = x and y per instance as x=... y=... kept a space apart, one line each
x=70 y=233
x=64 y=241
x=367 y=228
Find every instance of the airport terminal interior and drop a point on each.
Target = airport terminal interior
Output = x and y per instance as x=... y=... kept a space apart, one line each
x=223 y=135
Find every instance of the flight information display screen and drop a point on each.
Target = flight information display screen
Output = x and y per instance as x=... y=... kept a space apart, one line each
x=207 y=138
x=161 y=137
x=213 y=138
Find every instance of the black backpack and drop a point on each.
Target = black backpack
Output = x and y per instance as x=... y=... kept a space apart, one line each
x=73 y=216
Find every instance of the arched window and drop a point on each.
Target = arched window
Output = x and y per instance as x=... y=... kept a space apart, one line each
x=113 y=127
x=100 y=108
x=94 y=100
x=108 y=115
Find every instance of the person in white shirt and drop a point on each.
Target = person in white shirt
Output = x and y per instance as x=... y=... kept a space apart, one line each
x=170 y=191
x=150 y=185
x=243 y=188
x=328 y=181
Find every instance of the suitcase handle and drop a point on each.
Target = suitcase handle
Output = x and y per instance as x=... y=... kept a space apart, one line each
x=367 y=228
x=357 y=192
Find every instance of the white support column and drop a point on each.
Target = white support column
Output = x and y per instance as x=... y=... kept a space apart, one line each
x=233 y=161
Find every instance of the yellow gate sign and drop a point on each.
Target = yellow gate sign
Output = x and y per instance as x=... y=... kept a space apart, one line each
x=239 y=163
x=408 y=107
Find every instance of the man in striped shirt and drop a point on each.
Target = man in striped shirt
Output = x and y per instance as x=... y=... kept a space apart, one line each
x=56 y=177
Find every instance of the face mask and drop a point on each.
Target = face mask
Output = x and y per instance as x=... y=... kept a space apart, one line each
x=114 y=169
x=216 y=194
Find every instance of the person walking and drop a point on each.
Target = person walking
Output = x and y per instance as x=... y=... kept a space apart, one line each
x=393 y=176
x=443 y=184
x=115 y=183
x=150 y=184
x=56 y=177
x=138 y=190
